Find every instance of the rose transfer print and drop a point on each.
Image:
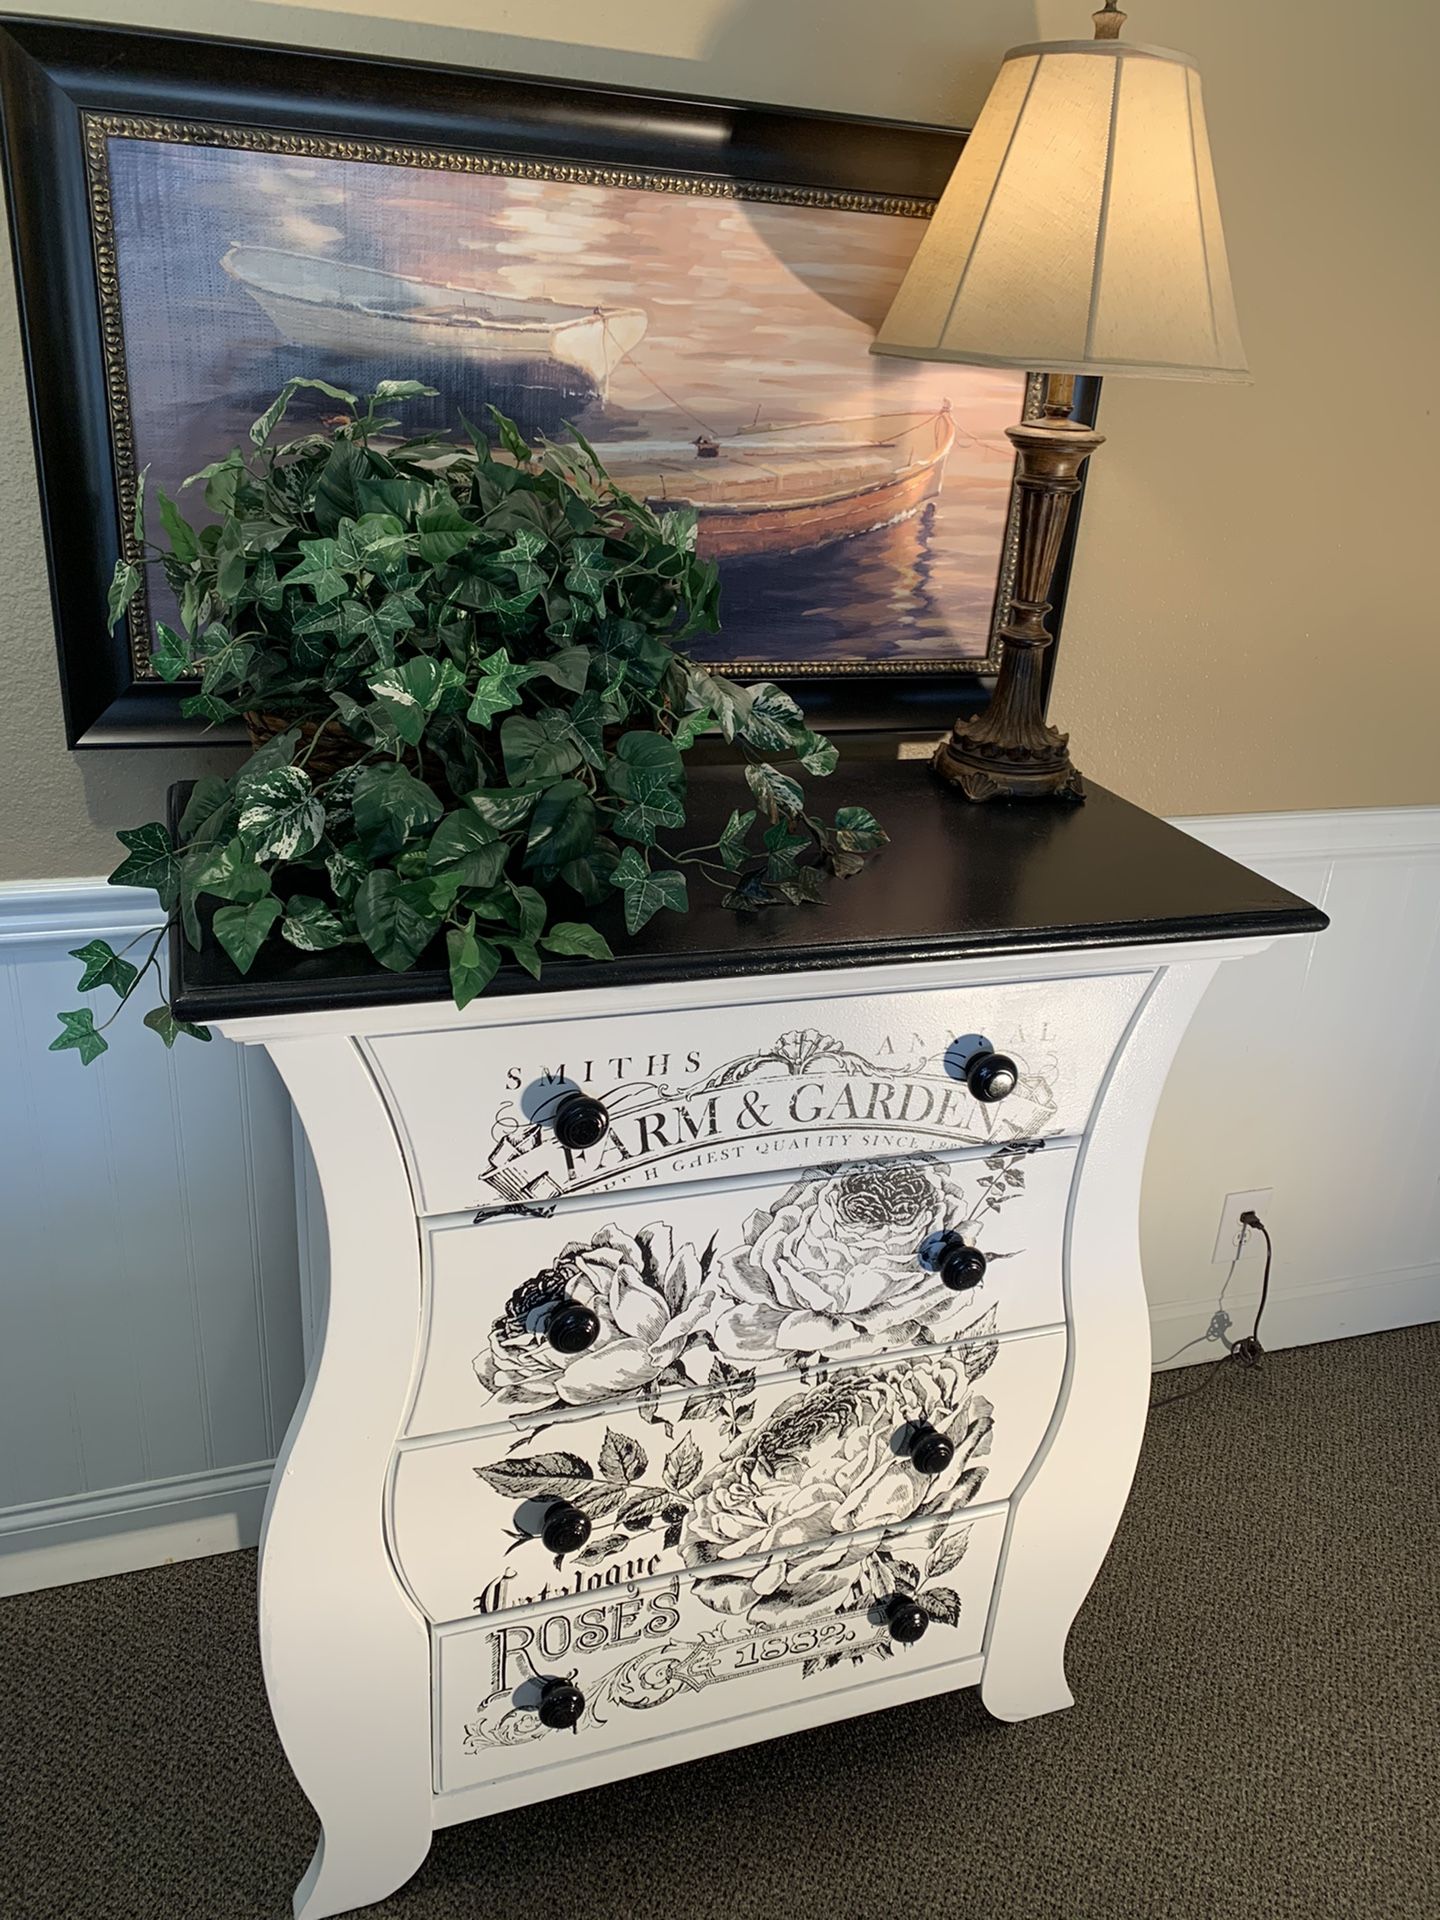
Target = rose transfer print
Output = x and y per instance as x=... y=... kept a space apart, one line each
x=831 y=1270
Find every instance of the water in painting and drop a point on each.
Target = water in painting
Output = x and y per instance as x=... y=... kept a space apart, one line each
x=715 y=351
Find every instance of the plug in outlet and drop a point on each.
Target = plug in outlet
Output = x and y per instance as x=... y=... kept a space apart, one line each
x=1234 y=1240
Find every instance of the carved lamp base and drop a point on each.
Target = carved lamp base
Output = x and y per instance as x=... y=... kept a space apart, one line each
x=1010 y=751
x=983 y=771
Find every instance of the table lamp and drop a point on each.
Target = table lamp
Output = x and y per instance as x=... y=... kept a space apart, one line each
x=1080 y=234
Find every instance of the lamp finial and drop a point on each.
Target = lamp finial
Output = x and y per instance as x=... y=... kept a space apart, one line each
x=1108 y=21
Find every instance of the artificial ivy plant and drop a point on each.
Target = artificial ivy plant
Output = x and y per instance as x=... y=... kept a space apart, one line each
x=462 y=668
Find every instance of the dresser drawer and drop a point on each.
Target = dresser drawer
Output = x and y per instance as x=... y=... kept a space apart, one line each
x=669 y=1656
x=761 y=1275
x=731 y=1474
x=737 y=1090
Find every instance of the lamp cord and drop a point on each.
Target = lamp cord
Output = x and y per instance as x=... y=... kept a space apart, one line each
x=1246 y=1352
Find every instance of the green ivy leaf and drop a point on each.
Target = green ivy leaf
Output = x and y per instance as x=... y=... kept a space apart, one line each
x=691 y=728
x=474 y=962
x=540 y=750
x=568 y=668
x=280 y=818
x=403 y=390
x=646 y=892
x=776 y=793
x=858 y=831
x=184 y=541
x=396 y=919
x=443 y=531
x=262 y=429
x=498 y=689
x=643 y=820
x=784 y=849
x=207 y=706
x=562 y=826
x=162 y=1021
x=573 y=937
x=80 y=1033
x=390 y=805
x=205 y=809
x=732 y=848
x=310 y=925
x=241 y=931
x=229 y=871
x=467 y=844
x=320 y=571
x=503 y=808
x=169 y=653
x=104 y=968
x=151 y=862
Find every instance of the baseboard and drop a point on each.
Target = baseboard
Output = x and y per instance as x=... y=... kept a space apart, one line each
x=126 y=1528
x=1301 y=1316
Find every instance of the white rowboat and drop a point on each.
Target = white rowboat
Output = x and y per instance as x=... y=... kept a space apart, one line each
x=329 y=304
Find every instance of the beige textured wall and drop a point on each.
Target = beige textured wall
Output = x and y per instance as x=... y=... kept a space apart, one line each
x=1252 y=619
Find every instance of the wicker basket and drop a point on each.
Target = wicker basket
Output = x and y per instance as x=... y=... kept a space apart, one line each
x=337 y=748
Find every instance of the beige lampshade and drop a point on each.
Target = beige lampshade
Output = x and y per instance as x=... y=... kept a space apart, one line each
x=1080 y=231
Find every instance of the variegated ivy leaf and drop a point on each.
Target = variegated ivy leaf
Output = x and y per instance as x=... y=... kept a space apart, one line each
x=646 y=892
x=280 y=816
x=124 y=585
x=409 y=694
x=371 y=543
x=520 y=558
x=776 y=793
x=150 y=862
x=319 y=571
x=858 y=831
x=501 y=679
x=310 y=925
x=587 y=571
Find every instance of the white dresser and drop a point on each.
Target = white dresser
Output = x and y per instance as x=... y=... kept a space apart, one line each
x=740 y=1337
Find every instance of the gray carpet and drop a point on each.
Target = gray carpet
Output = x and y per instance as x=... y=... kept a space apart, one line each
x=1255 y=1736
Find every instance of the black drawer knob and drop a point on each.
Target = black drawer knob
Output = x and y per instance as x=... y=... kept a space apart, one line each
x=906 y=1619
x=930 y=1450
x=561 y=1705
x=991 y=1076
x=565 y=1529
x=959 y=1265
x=571 y=1328
x=580 y=1122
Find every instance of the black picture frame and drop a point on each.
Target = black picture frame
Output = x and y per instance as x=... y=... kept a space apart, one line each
x=58 y=80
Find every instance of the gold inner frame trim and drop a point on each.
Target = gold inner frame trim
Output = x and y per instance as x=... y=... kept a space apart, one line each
x=101 y=128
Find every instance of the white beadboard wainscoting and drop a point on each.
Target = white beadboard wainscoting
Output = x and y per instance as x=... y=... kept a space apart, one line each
x=151 y=1334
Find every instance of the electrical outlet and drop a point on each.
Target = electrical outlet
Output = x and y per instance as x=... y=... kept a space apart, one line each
x=1232 y=1239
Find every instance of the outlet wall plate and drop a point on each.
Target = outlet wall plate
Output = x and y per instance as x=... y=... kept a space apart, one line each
x=1227 y=1240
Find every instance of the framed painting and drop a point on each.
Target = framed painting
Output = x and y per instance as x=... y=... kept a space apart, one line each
x=195 y=221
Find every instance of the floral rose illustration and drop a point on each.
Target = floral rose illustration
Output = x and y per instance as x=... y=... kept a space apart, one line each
x=833 y=1266
x=824 y=1467
x=651 y=1299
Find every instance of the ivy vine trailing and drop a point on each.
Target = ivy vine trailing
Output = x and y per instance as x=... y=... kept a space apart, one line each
x=464 y=665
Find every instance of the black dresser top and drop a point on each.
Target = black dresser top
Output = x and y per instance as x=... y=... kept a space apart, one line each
x=958 y=881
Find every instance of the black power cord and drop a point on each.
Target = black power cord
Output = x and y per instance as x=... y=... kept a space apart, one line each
x=1246 y=1352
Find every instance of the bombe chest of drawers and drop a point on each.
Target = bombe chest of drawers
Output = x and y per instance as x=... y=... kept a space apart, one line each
x=737 y=1337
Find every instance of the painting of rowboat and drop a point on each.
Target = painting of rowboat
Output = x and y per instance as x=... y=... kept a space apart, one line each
x=714 y=350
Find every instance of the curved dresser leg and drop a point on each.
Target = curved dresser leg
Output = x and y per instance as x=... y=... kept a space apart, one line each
x=346 y=1654
x=1065 y=1512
